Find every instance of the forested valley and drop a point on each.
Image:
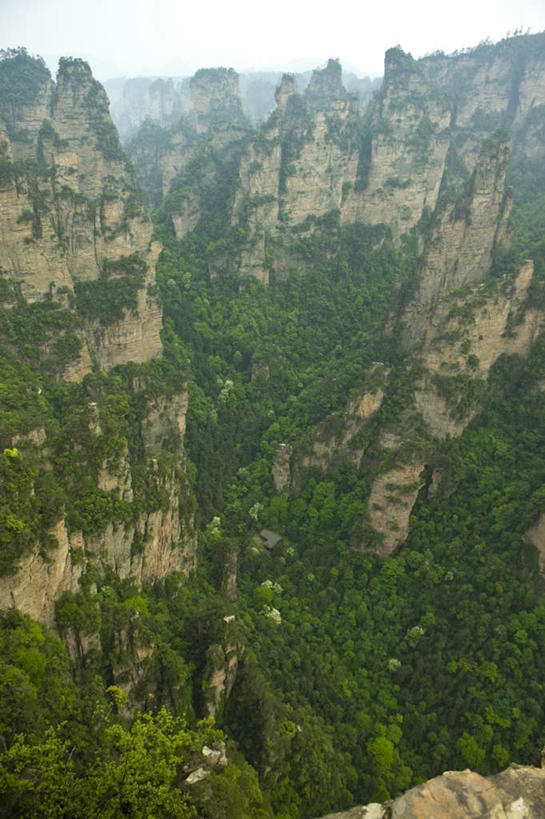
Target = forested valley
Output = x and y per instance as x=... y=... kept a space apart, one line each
x=328 y=331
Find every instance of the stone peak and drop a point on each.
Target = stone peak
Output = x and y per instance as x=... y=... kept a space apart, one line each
x=74 y=67
x=326 y=84
x=287 y=88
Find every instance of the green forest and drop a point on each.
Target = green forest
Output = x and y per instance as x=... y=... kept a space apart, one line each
x=355 y=677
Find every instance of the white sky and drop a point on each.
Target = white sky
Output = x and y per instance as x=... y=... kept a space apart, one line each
x=150 y=37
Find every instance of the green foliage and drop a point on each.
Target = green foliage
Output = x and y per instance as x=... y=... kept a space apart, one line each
x=22 y=79
x=67 y=752
x=36 y=684
x=44 y=333
x=210 y=178
x=453 y=609
x=47 y=132
x=146 y=149
x=105 y=299
x=289 y=351
x=29 y=505
x=136 y=770
x=420 y=139
x=9 y=171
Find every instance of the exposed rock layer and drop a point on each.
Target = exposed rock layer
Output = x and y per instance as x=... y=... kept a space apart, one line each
x=517 y=792
x=75 y=216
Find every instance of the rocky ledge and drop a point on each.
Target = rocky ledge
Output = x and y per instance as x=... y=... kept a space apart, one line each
x=516 y=793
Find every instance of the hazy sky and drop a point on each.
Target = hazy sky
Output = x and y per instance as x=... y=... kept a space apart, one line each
x=149 y=37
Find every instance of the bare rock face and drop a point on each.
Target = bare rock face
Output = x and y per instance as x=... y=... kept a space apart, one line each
x=517 y=792
x=297 y=171
x=40 y=581
x=286 y=89
x=281 y=471
x=221 y=672
x=408 y=150
x=156 y=545
x=133 y=101
x=78 y=217
x=390 y=504
x=536 y=536
x=472 y=330
x=358 y=413
x=326 y=85
x=459 y=248
x=423 y=104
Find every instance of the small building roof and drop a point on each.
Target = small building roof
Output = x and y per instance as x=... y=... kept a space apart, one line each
x=269 y=539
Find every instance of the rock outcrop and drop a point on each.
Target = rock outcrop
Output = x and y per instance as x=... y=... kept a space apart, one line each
x=459 y=246
x=297 y=171
x=519 y=791
x=433 y=113
x=215 y=95
x=77 y=243
x=162 y=101
x=461 y=333
x=316 y=156
x=154 y=99
x=72 y=225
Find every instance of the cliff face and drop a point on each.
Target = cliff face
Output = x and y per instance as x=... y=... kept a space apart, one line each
x=297 y=171
x=181 y=156
x=458 y=249
x=317 y=155
x=215 y=95
x=465 y=334
x=154 y=540
x=159 y=100
x=162 y=101
x=455 y=319
x=77 y=258
x=71 y=221
x=432 y=111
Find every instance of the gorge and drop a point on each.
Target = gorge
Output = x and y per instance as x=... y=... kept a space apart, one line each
x=323 y=323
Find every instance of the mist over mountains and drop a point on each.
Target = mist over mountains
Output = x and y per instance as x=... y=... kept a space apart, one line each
x=164 y=99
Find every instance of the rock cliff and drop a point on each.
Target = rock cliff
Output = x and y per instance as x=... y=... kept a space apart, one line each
x=459 y=246
x=78 y=297
x=518 y=791
x=215 y=95
x=163 y=100
x=159 y=100
x=318 y=155
x=461 y=310
x=432 y=114
x=180 y=158
x=296 y=172
x=465 y=333
x=72 y=225
x=153 y=538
